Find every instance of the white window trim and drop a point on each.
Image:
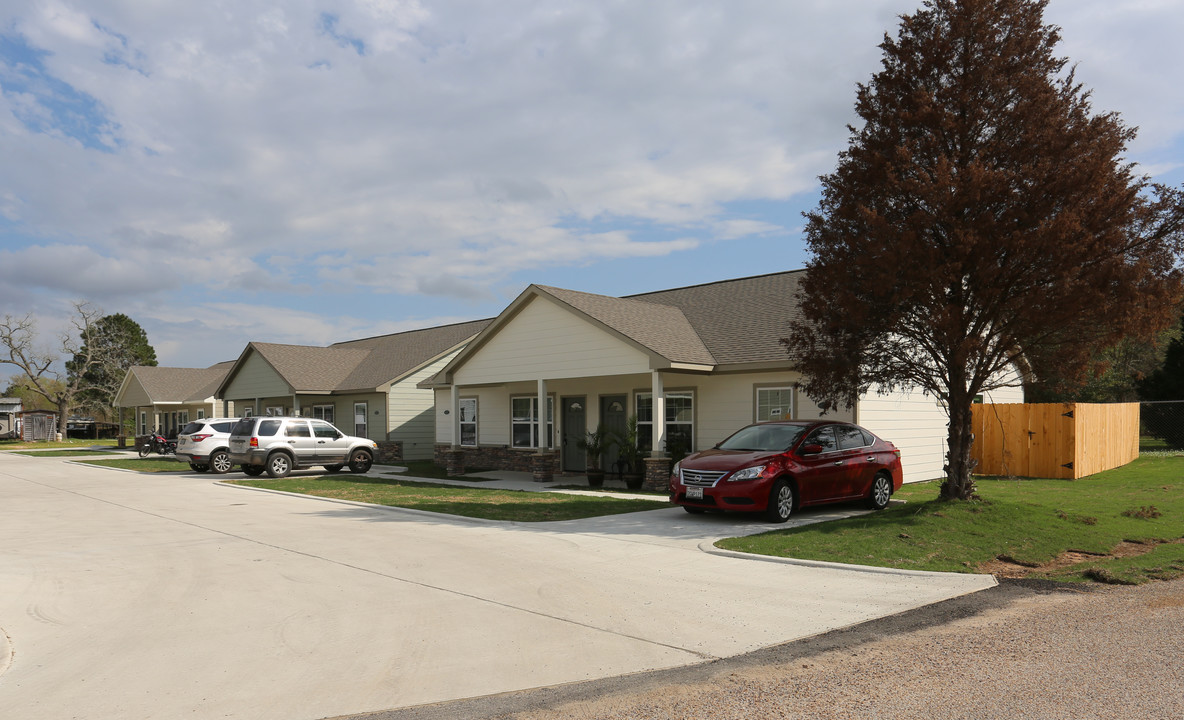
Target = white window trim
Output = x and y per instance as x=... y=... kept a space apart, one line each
x=533 y=420
x=474 y=422
x=647 y=432
x=365 y=419
x=756 y=401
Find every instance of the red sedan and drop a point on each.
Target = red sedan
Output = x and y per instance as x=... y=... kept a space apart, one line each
x=774 y=467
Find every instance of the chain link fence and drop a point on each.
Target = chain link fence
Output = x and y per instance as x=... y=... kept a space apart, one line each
x=1161 y=425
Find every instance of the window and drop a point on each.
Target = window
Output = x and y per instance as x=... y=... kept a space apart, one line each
x=324 y=430
x=201 y=414
x=360 y=419
x=524 y=415
x=323 y=412
x=297 y=428
x=268 y=428
x=468 y=422
x=825 y=437
x=275 y=411
x=774 y=403
x=680 y=416
x=143 y=423
x=248 y=412
x=184 y=418
x=850 y=437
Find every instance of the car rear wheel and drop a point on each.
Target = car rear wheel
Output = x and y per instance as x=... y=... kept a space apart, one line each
x=881 y=492
x=360 y=461
x=253 y=470
x=279 y=465
x=780 y=502
x=220 y=462
x=198 y=467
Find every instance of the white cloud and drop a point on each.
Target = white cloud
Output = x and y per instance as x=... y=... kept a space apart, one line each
x=337 y=147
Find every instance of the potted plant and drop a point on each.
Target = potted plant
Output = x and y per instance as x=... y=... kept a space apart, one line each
x=594 y=445
x=630 y=452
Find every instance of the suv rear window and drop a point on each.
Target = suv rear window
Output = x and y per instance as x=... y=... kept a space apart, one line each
x=192 y=427
x=223 y=426
x=244 y=427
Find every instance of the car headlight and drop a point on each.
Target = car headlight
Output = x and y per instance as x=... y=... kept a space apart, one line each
x=751 y=473
x=677 y=468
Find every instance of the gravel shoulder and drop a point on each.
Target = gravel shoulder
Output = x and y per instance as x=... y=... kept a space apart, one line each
x=1025 y=649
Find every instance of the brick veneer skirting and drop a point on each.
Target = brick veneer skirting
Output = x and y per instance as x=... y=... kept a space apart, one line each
x=390 y=452
x=497 y=457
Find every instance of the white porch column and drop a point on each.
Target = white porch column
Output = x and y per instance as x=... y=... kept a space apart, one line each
x=454 y=403
x=659 y=426
x=544 y=441
x=295 y=405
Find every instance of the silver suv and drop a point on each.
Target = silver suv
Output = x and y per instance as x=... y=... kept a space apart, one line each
x=204 y=445
x=279 y=445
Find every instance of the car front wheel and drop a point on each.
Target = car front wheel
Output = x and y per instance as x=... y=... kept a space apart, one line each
x=360 y=461
x=881 y=492
x=780 y=502
x=220 y=462
x=279 y=465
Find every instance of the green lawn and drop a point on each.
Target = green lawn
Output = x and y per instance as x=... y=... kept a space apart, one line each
x=73 y=443
x=475 y=502
x=62 y=453
x=1029 y=522
x=429 y=469
x=148 y=464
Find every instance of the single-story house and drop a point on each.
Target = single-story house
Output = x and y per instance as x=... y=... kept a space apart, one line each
x=693 y=364
x=367 y=387
x=9 y=410
x=165 y=399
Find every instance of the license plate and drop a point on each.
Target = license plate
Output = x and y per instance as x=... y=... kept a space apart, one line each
x=694 y=493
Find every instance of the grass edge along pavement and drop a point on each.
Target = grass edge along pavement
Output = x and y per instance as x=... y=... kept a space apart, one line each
x=475 y=502
x=1123 y=526
x=152 y=464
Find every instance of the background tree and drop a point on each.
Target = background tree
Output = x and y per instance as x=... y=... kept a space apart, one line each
x=980 y=217
x=18 y=387
x=117 y=343
x=18 y=338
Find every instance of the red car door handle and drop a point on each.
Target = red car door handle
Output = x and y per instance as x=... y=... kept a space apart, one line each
x=871 y=458
x=838 y=462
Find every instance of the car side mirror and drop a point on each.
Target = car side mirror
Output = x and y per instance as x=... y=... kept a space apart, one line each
x=810 y=449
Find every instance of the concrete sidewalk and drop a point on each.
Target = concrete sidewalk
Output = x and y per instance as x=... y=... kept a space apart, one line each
x=156 y=596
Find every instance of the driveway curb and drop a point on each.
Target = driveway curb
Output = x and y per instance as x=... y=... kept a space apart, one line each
x=708 y=546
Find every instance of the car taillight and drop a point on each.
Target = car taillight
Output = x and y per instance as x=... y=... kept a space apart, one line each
x=255 y=442
x=199 y=438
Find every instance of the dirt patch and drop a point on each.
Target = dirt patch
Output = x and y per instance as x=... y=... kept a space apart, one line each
x=1006 y=567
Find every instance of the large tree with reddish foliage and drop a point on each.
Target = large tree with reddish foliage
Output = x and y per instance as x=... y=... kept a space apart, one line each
x=981 y=218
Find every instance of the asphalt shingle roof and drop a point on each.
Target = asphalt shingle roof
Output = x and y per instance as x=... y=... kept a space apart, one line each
x=662 y=328
x=184 y=385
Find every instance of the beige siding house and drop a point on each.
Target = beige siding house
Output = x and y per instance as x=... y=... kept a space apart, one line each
x=365 y=387
x=693 y=364
x=166 y=398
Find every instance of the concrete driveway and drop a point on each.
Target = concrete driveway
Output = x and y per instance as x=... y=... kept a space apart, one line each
x=126 y=595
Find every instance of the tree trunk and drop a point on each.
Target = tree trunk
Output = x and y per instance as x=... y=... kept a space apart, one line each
x=63 y=416
x=959 y=483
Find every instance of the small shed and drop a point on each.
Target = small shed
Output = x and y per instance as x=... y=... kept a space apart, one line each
x=38 y=425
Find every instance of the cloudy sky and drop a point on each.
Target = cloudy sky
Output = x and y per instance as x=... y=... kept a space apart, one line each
x=314 y=171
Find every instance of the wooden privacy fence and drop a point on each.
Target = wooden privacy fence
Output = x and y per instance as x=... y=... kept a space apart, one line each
x=1054 y=440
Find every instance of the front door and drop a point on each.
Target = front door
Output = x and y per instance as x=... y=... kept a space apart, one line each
x=574 y=427
x=613 y=415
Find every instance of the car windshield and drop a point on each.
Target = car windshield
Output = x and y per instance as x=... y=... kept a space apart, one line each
x=775 y=438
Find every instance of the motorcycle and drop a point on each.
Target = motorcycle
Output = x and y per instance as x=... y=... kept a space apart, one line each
x=158 y=444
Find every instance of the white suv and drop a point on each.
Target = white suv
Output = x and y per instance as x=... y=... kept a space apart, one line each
x=205 y=444
x=280 y=444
